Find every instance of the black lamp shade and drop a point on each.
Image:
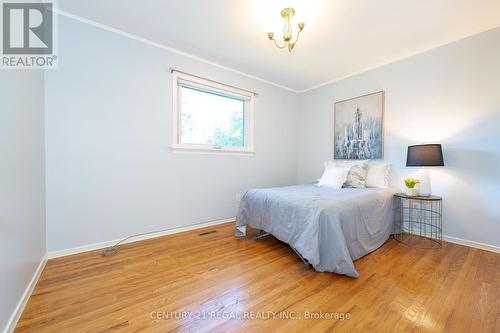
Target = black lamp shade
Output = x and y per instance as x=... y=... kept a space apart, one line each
x=425 y=155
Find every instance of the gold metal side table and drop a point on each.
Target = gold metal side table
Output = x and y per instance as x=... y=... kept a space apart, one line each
x=418 y=220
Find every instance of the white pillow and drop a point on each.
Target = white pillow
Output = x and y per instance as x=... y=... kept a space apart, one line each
x=358 y=170
x=333 y=176
x=378 y=175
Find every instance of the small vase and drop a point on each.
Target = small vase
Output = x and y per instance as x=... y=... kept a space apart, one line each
x=411 y=192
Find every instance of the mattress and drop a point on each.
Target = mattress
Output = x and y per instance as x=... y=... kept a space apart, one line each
x=329 y=227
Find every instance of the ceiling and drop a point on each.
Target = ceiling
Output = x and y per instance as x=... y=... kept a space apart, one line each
x=341 y=37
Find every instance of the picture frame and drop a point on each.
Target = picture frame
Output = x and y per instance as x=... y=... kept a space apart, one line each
x=358 y=127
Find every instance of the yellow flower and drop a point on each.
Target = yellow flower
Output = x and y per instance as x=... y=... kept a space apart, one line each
x=410 y=182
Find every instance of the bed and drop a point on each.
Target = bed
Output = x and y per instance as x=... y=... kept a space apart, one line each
x=327 y=227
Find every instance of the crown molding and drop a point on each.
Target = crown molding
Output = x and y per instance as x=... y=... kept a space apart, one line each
x=395 y=60
x=167 y=48
x=229 y=69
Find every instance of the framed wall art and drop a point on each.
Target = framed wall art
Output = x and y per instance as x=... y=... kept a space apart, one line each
x=358 y=127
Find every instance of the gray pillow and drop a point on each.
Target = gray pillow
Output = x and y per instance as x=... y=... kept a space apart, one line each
x=356 y=178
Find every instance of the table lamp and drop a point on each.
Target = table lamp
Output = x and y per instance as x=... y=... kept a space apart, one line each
x=425 y=155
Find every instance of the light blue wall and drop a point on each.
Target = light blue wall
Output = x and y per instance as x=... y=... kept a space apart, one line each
x=110 y=171
x=22 y=192
x=448 y=95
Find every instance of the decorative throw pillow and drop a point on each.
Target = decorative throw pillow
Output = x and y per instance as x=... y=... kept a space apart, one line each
x=378 y=175
x=358 y=170
x=333 y=177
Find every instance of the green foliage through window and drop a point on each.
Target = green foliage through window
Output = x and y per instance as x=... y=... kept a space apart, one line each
x=208 y=118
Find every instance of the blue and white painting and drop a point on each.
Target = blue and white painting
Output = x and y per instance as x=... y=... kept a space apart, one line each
x=358 y=127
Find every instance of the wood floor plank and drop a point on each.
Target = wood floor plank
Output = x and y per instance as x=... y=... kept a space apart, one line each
x=219 y=283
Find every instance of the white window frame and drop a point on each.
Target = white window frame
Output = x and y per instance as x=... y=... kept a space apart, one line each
x=182 y=79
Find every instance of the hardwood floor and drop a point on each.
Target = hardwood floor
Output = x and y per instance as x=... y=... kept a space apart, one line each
x=453 y=289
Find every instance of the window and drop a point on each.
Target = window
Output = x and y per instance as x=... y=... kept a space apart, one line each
x=211 y=117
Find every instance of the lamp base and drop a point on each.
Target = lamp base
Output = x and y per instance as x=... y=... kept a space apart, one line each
x=425 y=183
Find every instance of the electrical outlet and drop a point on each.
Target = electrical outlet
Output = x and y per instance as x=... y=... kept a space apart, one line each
x=237 y=197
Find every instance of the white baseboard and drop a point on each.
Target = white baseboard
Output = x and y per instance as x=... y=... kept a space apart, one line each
x=101 y=245
x=14 y=318
x=470 y=243
x=460 y=241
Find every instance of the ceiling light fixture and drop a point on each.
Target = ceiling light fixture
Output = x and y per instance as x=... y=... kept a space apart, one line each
x=287 y=14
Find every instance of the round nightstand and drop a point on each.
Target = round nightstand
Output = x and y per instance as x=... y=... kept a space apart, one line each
x=418 y=220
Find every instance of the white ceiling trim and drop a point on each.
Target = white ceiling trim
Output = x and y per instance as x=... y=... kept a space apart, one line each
x=174 y=50
x=167 y=48
x=409 y=55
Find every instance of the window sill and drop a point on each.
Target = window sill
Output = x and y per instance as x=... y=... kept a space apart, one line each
x=181 y=149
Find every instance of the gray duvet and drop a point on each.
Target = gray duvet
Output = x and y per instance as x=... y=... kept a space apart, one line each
x=328 y=227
